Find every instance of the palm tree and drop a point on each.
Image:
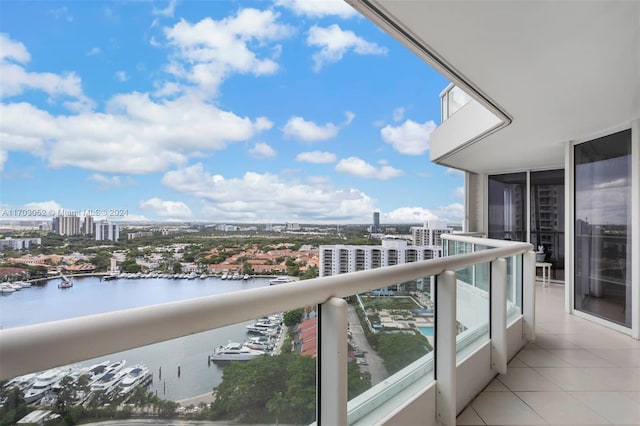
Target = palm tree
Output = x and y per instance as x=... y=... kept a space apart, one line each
x=277 y=405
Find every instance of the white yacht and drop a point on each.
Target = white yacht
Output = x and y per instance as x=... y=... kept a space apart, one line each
x=264 y=327
x=281 y=280
x=133 y=377
x=6 y=289
x=22 y=382
x=235 y=352
x=43 y=382
x=224 y=276
x=110 y=379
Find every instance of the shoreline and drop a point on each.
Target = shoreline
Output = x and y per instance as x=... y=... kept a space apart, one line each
x=207 y=398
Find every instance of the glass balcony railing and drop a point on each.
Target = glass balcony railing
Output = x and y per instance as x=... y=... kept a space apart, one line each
x=370 y=336
x=451 y=100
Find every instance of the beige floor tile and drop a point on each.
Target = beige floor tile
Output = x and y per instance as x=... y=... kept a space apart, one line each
x=621 y=358
x=469 y=417
x=617 y=379
x=504 y=408
x=555 y=341
x=603 y=340
x=527 y=379
x=633 y=395
x=560 y=408
x=616 y=407
x=581 y=358
x=496 y=386
x=516 y=363
x=573 y=378
x=541 y=358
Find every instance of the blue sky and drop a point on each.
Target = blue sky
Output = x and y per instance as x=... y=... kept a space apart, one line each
x=223 y=111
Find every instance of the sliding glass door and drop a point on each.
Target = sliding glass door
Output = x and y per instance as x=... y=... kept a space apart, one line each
x=603 y=227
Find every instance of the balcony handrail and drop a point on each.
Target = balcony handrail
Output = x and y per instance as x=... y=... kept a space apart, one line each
x=38 y=347
x=477 y=240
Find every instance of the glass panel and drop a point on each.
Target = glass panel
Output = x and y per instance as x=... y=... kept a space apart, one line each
x=391 y=341
x=603 y=227
x=472 y=313
x=514 y=287
x=507 y=206
x=547 y=219
x=481 y=274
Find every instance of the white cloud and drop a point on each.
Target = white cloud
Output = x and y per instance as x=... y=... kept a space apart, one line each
x=209 y=51
x=166 y=209
x=319 y=8
x=459 y=192
x=61 y=13
x=50 y=206
x=135 y=134
x=93 y=51
x=334 y=43
x=113 y=181
x=16 y=80
x=3 y=159
x=409 y=215
x=262 y=150
x=358 y=167
x=308 y=131
x=398 y=114
x=453 y=172
x=122 y=76
x=451 y=213
x=167 y=11
x=409 y=138
x=316 y=157
x=266 y=197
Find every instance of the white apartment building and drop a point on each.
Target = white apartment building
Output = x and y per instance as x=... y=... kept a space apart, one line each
x=341 y=259
x=67 y=225
x=19 y=243
x=425 y=236
x=88 y=227
x=107 y=231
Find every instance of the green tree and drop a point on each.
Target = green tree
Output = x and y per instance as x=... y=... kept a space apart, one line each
x=401 y=349
x=177 y=268
x=14 y=407
x=293 y=317
x=277 y=405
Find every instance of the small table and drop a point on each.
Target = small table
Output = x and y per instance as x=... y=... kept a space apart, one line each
x=546 y=272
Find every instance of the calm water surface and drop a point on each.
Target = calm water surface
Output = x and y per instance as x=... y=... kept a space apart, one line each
x=89 y=296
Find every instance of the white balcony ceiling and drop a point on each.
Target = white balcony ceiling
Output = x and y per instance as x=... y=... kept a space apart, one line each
x=562 y=70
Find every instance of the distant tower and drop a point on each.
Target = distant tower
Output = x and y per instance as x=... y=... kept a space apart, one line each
x=376 y=223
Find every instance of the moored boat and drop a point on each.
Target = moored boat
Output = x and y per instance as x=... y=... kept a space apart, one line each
x=235 y=352
x=281 y=280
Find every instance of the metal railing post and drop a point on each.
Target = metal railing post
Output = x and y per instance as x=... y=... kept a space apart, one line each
x=499 y=315
x=445 y=361
x=332 y=368
x=529 y=295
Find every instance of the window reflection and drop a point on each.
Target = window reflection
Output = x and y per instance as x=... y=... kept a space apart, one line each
x=602 y=227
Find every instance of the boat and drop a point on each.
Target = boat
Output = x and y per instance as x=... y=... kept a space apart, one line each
x=22 y=382
x=281 y=280
x=65 y=282
x=246 y=277
x=203 y=276
x=42 y=383
x=23 y=284
x=109 y=379
x=192 y=276
x=235 y=352
x=133 y=377
x=6 y=289
x=264 y=327
x=109 y=277
x=224 y=276
x=235 y=276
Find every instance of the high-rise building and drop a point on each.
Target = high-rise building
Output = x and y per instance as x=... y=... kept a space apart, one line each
x=107 y=231
x=376 y=223
x=66 y=225
x=88 y=225
x=426 y=236
x=341 y=259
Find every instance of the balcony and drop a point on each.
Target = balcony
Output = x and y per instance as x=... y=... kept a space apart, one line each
x=484 y=314
x=464 y=121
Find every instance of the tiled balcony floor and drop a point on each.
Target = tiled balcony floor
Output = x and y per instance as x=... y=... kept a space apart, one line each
x=576 y=373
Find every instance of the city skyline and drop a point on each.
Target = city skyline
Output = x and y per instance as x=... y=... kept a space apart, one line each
x=251 y=112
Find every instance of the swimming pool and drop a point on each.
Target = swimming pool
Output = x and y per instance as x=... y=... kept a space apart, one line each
x=427 y=331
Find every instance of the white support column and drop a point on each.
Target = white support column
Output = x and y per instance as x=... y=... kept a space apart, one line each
x=529 y=295
x=499 y=315
x=446 y=329
x=332 y=374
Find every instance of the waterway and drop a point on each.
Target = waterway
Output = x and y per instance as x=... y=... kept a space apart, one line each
x=90 y=295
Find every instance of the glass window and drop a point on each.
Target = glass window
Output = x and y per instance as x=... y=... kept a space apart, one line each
x=603 y=227
x=547 y=218
x=507 y=206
